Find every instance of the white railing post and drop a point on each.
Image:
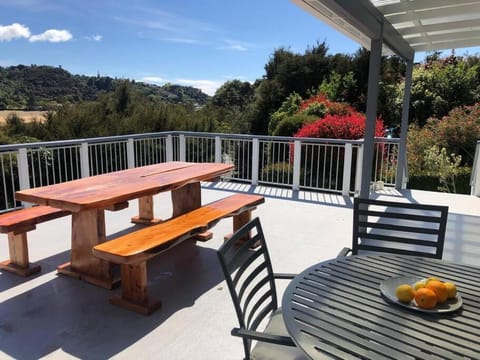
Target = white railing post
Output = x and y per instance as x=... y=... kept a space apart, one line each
x=358 y=170
x=169 y=146
x=475 y=177
x=297 y=155
x=218 y=149
x=255 y=160
x=347 y=169
x=130 y=153
x=23 y=172
x=183 y=148
x=84 y=161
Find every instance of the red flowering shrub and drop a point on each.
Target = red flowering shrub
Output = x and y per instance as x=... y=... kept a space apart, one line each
x=330 y=107
x=320 y=98
x=350 y=126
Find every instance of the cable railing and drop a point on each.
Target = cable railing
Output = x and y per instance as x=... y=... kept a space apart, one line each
x=327 y=165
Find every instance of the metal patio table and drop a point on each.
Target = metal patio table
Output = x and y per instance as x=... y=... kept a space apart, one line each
x=335 y=309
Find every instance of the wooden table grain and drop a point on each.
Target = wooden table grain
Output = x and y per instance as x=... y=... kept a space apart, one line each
x=88 y=198
x=335 y=309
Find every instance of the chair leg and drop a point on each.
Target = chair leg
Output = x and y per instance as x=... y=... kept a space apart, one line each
x=134 y=290
x=18 y=262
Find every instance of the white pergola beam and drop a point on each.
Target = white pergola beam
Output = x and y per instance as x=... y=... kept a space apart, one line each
x=437 y=13
x=408 y=5
x=454 y=44
x=359 y=16
x=459 y=25
x=447 y=37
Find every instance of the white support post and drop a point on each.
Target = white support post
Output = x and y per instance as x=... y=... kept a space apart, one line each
x=371 y=115
x=84 y=161
x=297 y=155
x=255 y=160
x=475 y=177
x=358 y=170
x=401 y=174
x=169 y=148
x=218 y=149
x=130 y=153
x=23 y=172
x=347 y=169
x=183 y=148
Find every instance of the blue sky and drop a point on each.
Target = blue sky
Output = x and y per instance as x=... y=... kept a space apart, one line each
x=200 y=43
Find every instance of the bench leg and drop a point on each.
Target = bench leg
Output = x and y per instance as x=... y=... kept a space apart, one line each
x=18 y=262
x=145 y=212
x=134 y=290
x=238 y=221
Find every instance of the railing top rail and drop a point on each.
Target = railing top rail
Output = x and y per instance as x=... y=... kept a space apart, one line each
x=79 y=141
x=60 y=143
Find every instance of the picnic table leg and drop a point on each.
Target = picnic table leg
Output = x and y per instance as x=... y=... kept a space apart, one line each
x=187 y=198
x=145 y=212
x=88 y=230
x=18 y=249
x=134 y=290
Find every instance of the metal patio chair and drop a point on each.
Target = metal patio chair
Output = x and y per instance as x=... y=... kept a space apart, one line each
x=251 y=282
x=399 y=228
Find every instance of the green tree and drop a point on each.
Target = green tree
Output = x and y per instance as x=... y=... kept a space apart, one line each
x=339 y=87
x=441 y=85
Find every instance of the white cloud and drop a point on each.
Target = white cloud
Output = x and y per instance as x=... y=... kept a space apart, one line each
x=96 y=38
x=236 y=45
x=207 y=86
x=13 y=31
x=184 y=41
x=52 y=35
x=154 y=79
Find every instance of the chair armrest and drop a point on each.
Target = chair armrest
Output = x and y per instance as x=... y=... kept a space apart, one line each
x=344 y=252
x=284 y=276
x=264 y=337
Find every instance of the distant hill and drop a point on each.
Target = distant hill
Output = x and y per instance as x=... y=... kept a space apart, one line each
x=45 y=87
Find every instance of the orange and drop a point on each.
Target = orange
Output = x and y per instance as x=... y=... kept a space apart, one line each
x=405 y=293
x=451 y=289
x=425 y=298
x=419 y=284
x=432 y=278
x=440 y=290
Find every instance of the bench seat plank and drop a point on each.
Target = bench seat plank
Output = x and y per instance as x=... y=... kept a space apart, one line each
x=16 y=220
x=143 y=244
x=16 y=224
x=133 y=250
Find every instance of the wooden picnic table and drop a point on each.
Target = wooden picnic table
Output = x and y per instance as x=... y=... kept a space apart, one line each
x=88 y=198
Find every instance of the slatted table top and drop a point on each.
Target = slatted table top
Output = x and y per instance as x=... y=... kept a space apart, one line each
x=116 y=187
x=335 y=309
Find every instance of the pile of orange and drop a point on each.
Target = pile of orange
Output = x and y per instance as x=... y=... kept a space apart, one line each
x=427 y=292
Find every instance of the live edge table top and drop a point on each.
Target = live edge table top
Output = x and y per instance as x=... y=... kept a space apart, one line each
x=117 y=187
x=336 y=309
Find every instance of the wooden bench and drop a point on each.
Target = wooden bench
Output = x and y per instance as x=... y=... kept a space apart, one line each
x=133 y=250
x=16 y=224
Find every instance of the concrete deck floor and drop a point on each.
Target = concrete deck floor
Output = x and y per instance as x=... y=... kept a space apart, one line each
x=55 y=317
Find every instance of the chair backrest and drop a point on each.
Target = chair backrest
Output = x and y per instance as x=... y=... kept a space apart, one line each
x=401 y=228
x=249 y=276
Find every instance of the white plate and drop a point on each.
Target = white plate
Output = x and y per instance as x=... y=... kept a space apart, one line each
x=388 y=287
